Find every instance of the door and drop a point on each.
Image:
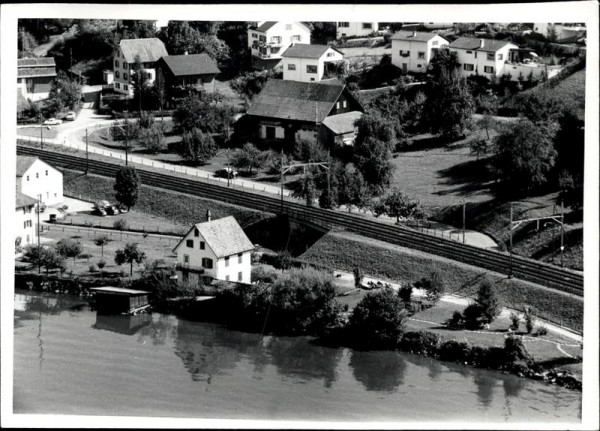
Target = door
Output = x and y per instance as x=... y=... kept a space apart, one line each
x=270 y=132
x=404 y=67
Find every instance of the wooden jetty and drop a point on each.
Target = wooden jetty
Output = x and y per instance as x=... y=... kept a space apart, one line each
x=113 y=300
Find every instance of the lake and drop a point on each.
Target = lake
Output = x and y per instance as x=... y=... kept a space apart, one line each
x=69 y=360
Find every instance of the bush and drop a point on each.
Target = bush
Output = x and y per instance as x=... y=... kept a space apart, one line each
x=422 y=343
x=472 y=316
x=456 y=321
x=93 y=268
x=263 y=273
x=405 y=294
x=455 y=351
x=488 y=301
x=515 y=319
x=529 y=317
x=541 y=330
x=514 y=351
x=434 y=286
x=121 y=224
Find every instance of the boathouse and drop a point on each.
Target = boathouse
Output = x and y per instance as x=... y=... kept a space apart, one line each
x=120 y=300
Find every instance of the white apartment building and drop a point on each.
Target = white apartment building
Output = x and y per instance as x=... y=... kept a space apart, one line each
x=348 y=29
x=412 y=50
x=307 y=63
x=216 y=249
x=485 y=57
x=149 y=51
x=38 y=180
x=270 y=39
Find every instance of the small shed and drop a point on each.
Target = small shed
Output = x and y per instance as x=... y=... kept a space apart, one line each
x=120 y=300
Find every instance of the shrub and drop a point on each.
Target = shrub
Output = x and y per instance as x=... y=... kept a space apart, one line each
x=434 y=286
x=264 y=273
x=358 y=277
x=514 y=351
x=472 y=316
x=541 y=330
x=423 y=343
x=101 y=264
x=121 y=224
x=455 y=351
x=93 y=268
x=456 y=321
x=515 y=319
x=405 y=294
x=529 y=319
x=488 y=301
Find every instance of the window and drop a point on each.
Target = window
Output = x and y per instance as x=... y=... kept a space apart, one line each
x=189 y=243
x=117 y=74
x=207 y=262
x=202 y=245
x=330 y=54
x=118 y=85
x=288 y=26
x=124 y=65
x=126 y=87
x=469 y=52
x=27 y=177
x=24 y=224
x=240 y=257
x=240 y=276
x=404 y=53
x=254 y=36
x=276 y=39
x=28 y=239
x=125 y=76
x=226 y=278
x=262 y=38
x=296 y=38
x=116 y=63
x=46 y=172
x=311 y=68
x=490 y=56
x=197 y=233
x=344 y=104
x=435 y=43
x=47 y=195
x=227 y=261
x=421 y=55
x=488 y=69
x=37 y=174
x=468 y=67
x=344 y=24
x=419 y=66
x=150 y=76
x=499 y=56
x=186 y=258
x=291 y=67
x=367 y=25
x=475 y=55
x=55 y=195
x=337 y=105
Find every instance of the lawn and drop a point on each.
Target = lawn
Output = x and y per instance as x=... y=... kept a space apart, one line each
x=47 y=132
x=570 y=89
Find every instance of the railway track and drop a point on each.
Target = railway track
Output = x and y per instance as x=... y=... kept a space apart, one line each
x=522 y=268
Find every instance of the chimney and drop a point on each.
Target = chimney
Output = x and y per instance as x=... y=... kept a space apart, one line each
x=481 y=43
x=207 y=215
x=414 y=33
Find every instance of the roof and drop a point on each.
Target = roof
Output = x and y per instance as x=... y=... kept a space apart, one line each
x=149 y=50
x=294 y=100
x=36 y=62
x=24 y=163
x=34 y=67
x=32 y=72
x=119 y=290
x=471 y=43
x=224 y=236
x=342 y=123
x=266 y=25
x=305 y=50
x=24 y=200
x=421 y=36
x=194 y=64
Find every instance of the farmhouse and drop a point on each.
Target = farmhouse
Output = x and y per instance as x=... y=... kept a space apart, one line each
x=348 y=29
x=289 y=111
x=38 y=180
x=216 y=249
x=34 y=76
x=195 y=70
x=148 y=50
x=25 y=232
x=269 y=39
x=309 y=63
x=412 y=50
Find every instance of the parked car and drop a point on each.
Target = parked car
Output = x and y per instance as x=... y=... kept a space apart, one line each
x=70 y=116
x=123 y=209
x=100 y=211
x=100 y=208
x=226 y=172
x=52 y=122
x=112 y=210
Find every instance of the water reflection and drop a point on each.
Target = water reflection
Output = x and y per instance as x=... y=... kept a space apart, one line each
x=127 y=325
x=485 y=388
x=378 y=371
x=160 y=328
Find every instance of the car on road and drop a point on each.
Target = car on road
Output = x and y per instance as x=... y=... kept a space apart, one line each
x=226 y=172
x=112 y=210
x=52 y=122
x=70 y=116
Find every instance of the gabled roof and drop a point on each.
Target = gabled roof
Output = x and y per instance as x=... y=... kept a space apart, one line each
x=36 y=62
x=33 y=72
x=471 y=43
x=149 y=50
x=24 y=200
x=294 y=100
x=305 y=50
x=194 y=64
x=24 y=163
x=342 y=123
x=224 y=236
x=420 y=36
x=266 y=25
x=34 y=67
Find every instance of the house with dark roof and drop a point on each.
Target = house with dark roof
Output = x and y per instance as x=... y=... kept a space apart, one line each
x=269 y=39
x=485 y=57
x=289 y=111
x=413 y=50
x=148 y=50
x=309 y=63
x=197 y=71
x=34 y=77
x=216 y=249
x=39 y=180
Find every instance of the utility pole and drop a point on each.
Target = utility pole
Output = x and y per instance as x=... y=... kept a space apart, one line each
x=87 y=159
x=228 y=168
x=510 y=270
x=282 y=177
x=126 y=138
x=38 y=234
x=41 y=131
x=464 y=220
x=562 y=232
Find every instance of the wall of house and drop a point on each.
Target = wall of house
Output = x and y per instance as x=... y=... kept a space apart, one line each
x=412 y=61
x=479 y=60
x=538 y=70
x=42 y=179
x=229 y=269
x=39 y=86
x=25 y=225
x=288 y=32
x=300 y=67
x=195 y=254
x=122 y=74
x=279 y=129
x=355 y=28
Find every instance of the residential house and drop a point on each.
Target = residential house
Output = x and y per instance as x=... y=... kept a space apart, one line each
x=34 y=76
x=269 y=39
x=564 y=32
x=195 y=70
x=340 y=129
x=38 y=180
x=25 y=232
x=216 y=249
x=309 y=63
x=413 y=50
x=348 y=29
x=494 y=58
x=149 y=50
x=289 y=111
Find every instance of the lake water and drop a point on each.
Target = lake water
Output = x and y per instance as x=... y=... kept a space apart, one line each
x=69 y=360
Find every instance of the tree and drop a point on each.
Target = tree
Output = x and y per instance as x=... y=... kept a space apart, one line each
x=127 y=186
x=434 y=286
x=68 y=248
x=444 y=62
x=283 y=260
x=488 y=301
x=250 y=83
x=571 y=190
x=525 y=155
x=248 y=157
x=378 y=320
x=197 y=146
x=350 y=187
x=307 y=189
x=539 y=106
x=65 y=92
x=139 y=81
x=101 y=241
x=130 y=254
x=188 y=114
x=397 y=204
x=180 y=38
x=152 y=138
x=309 y=150
x=26 y=43
x=358 y=277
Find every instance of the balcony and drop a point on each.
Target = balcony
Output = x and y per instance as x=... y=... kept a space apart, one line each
x=190 y=268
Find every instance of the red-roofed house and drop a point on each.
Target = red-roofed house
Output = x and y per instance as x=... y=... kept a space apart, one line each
x=269 y=39
x=34 y=76
x=216 y=249
x=307 y=63
x=149 y=51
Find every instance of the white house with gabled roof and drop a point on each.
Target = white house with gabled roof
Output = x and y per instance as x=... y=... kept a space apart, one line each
x=485 y=57
x=269 y=39
x=307 y=63
x=25 y=227
x=413 y=50
x=348 y=29
x=216 y=249
x=148 y=50
x=39 y=180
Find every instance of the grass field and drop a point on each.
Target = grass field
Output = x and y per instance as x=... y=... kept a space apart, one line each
x=397 y=264
x=570 y=90
x=34 y=132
